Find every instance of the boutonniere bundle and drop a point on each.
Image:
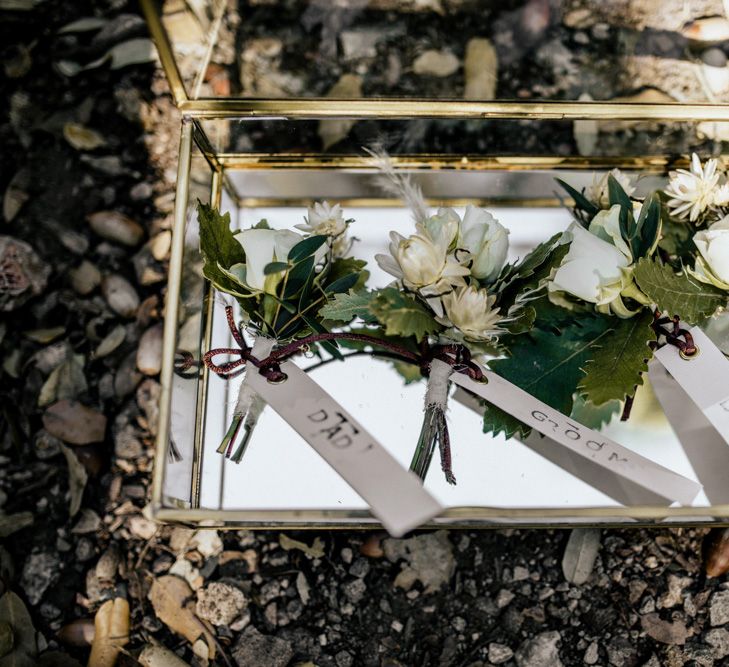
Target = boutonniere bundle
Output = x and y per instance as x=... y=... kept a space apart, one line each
x=574 y=323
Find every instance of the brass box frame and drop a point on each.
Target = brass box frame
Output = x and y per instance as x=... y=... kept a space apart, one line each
x=199 y=109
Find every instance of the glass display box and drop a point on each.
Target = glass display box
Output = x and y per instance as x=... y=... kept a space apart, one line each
x=279 y=103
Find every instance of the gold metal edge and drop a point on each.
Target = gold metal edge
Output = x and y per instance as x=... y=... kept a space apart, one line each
x=437 y=162
x=216 y=190
x=165 y=51
x=474 y=517
x=376 y=202
x=398 y=108
x=169 y=337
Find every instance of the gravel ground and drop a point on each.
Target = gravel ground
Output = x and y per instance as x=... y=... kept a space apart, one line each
x=88 y=179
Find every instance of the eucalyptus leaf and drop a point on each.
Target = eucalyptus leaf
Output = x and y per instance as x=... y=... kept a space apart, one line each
x=581 y=201
x=342 y=284
x=306 y=248
x=275 y=267
x=580 y=554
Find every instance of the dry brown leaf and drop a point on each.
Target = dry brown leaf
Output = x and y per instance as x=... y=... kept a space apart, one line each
x=82 y=138
x=77 y=478
x=154 y=655
x=16 y=194
x=316 y=550
x=174 y=602
x=111 y=632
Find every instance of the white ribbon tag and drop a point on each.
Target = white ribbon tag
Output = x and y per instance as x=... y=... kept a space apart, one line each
x=396 y=496
x=704 y=377
x=581 y=440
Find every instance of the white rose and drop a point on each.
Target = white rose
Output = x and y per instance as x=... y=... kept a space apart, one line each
x=263 y=246
x=713 y=244
x=442 y=227
x=606 y=225
x=593 y=270
x=470 y=310
x=486 y=239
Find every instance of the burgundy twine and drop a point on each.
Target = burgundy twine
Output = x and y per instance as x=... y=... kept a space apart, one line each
x=456 y=356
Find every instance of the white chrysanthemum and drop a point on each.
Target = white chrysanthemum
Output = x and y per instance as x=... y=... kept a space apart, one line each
x=328 y=220
x=471 y=311
x=598 y=191
x=692 y=192
x=721 y=196
x=424 y=265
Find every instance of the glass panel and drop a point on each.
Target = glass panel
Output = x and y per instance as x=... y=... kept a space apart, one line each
x=452 y=49
x=475 y=137
x=281 y=472
x=185 y=383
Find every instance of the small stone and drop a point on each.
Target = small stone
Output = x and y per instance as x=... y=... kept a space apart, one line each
x=358 y=44
x=674 y=595
x=429 y=559
x=126 y=443
x=540 y=651
x=499 y=653
x=436 y=63
x=520 y=573
x=360 y=568
x=344 y=659
x=85 y=550
x=578 y=18
x=149 y=352
x=160 y=245
x=718 y=639
x=621 y=652
x=141 y=527
x=220 y=603
x=88 y=522
x=117 y=227
x=120 y=295
x=355 y=590
x=39 y=572
x=74 y=423
x=207 y=542
x=591 y=654
x=481 y=70
x=141 y=191
x=714 y=57
x=719 y=608
x=254 y=648
x=503 y=598
x=85 y=278
x=23 y=274
x=110 y=342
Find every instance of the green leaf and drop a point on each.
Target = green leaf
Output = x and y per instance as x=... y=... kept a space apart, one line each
x=402 y=315
x=522 y=322
x=616 y=195
x=275 y=267
x=410 y=373
x=549 y=366
x=581 y=201
x=677 y=294
x=219 y=248
x=306 y=248
x=496 y=420
x=593 y=416
x=676 y=237
x=344 y=307
x=528 y=274
x=217 y=242
x=329 y=345
x=298 y=277
x=648 y=227
x=262 y=224
x=343 y=284
x=616 y=368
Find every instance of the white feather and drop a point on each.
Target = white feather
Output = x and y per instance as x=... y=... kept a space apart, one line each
x=400 y=185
